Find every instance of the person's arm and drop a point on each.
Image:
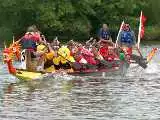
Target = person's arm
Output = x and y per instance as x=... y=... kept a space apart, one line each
x=99 y=34
x=49 y=47
x=110 y=38
x=87 y=42
x=119 y=38
x=134 y=38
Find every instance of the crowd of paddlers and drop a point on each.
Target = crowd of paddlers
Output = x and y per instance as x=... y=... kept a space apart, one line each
x=40 y=54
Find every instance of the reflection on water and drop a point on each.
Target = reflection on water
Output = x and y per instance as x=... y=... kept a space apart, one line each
x=134 y=97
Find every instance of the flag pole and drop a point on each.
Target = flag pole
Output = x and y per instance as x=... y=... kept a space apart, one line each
x=119 y=33
x=139 y=33
x=5 y=46
x=13 y=39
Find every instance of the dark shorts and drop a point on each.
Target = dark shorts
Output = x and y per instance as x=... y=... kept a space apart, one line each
x=48 y=64
x=62 y=66
x=33 y=55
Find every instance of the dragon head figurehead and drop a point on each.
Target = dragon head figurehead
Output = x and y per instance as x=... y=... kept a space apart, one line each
x=7 y=55
x=13 y=50
x=16 y=49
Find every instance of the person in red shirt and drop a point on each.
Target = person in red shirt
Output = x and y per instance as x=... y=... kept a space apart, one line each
x=30 y=39
x=88 y=55
x=104 y=50
x=112 y=54
x=29 y=43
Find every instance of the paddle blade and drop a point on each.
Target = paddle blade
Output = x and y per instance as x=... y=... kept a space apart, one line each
x=76 y=66
x=152 y=54
x=139 y=60
x=79 y=66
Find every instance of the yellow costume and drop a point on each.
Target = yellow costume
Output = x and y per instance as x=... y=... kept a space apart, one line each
x=63 y=56
x=42 y=48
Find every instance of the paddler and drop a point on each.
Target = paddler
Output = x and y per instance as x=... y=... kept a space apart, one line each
x=104 y=34
x=44 y=51
x=103 y=50
x=86 y=54
x=65 y=58
x=76 y=53
x=55 y=45
x=105 y=41
x=96 y=53
x=127 y=39
x=112 y=55
x=62 y=55
x=71 y=45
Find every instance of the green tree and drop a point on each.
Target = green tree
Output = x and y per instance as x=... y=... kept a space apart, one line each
x=78 y=19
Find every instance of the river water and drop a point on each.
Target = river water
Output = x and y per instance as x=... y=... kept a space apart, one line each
x=135 y=96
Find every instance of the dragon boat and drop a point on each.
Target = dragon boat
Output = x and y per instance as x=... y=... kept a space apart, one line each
x=87 y=69
x=14 y=52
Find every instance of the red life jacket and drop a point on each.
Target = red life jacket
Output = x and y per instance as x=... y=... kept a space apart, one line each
x=103 y=51
x=88 y=56
x=29 y=41
x=112 y=57
x=111 y=54
x=128 y=51
x=35 y=37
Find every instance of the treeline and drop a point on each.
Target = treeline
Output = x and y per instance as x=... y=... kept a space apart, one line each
x=77 y=19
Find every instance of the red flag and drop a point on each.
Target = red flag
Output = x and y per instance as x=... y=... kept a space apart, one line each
x=141 y=28
x=142 y=20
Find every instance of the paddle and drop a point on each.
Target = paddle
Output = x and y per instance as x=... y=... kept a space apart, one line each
x=109 y=64
x=151 y=54
x=87 y=42
x=138 y=59
x=77 y=65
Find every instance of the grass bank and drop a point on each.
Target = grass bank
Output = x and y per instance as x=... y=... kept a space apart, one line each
x=152 y=33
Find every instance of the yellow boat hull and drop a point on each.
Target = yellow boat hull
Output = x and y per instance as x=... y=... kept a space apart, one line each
x=25 y=75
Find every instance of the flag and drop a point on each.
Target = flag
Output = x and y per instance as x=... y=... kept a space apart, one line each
x=142 y=20
x=122 y=24
x=141 y=28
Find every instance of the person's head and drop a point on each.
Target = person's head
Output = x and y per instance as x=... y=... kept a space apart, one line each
x=111 y=50
x=126 y=27
x=71 y=43
x=32 y=28
x=104 y=26
x=87 y=45
x=80 y=45
x=55 y=44
x=42 y=48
